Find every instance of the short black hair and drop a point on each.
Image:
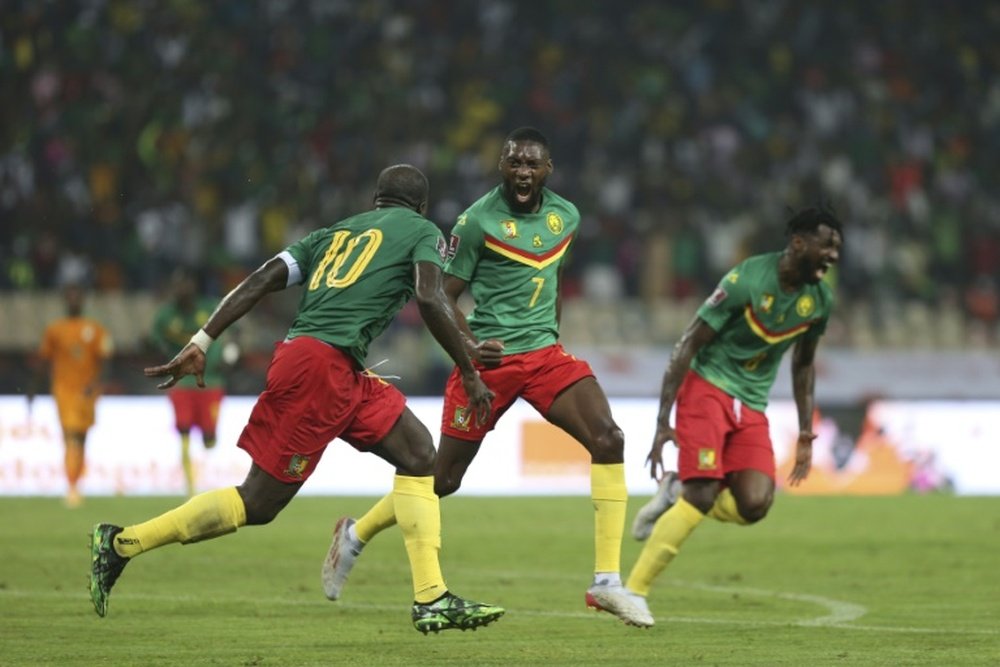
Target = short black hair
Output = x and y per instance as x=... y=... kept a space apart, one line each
x=808 y=220
x=528 y=134
x=404 y=183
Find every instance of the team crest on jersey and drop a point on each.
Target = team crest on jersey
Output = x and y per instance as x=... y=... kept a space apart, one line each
x=509 y=229
x=461 y=420
x=805 y=306
x=767 y=302
x=453 y=244
x=706 y=459
x=461 y=220
x=554 y=223
x=442 y=248
x=536 y=240
x=733 y=277
x=297 y=465
x=717 y=297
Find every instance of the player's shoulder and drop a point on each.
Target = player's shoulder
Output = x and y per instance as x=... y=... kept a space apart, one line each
x=824 y=295
x=553 y=200
x=488 y=204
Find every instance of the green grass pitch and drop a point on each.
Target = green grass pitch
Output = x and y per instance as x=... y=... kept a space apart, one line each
x=911 y=580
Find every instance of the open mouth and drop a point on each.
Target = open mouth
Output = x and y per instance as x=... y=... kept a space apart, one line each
x=523 y=192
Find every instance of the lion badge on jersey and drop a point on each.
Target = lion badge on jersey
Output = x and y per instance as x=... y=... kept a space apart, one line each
x=536 y=241
x=767 y=302
x=509 y=229
x=805 y=306
x=554 y=223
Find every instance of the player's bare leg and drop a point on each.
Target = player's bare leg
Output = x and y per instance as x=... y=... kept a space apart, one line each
x=73 y=454
x=582 y=410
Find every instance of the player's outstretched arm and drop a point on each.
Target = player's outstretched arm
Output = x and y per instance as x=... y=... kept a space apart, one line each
x=270 y=277
x=696 y=336
x=442 y=320
x=803 y=388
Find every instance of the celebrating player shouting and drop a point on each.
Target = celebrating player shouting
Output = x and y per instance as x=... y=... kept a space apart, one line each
x=508 y=248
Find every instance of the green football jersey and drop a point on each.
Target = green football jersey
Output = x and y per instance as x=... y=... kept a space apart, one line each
x=511 y=262
x=172 y=330
x=358 y=273
x=756 y=322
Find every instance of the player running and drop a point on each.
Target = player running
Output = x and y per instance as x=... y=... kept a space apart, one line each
x=720 y=375
x=76 y=348
x=357 y=274
x=509 y=248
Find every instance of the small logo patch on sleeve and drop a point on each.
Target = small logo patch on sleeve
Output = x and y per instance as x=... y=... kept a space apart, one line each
x=453 y=244
x=717 y=297
x=442 y=248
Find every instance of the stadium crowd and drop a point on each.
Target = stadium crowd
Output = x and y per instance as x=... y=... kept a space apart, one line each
x=138 y=135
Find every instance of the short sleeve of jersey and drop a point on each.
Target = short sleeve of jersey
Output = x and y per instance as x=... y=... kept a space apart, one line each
x=463 y=248
x=729 y=298
x=430 y=246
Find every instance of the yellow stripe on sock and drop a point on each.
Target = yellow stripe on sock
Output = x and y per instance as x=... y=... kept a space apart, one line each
x=607 y=490
x=725 y=509
x=382 y=515
x=669 y=533
x=417 y=512
x=205 y=516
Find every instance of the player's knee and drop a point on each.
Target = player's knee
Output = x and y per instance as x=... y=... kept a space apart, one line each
x=701 y=497
x=609 y=446
x=754 y=506
x=445 y=485
x=418 y=462
x=260 y=512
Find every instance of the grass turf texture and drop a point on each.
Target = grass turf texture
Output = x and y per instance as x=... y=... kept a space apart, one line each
x=912 y=580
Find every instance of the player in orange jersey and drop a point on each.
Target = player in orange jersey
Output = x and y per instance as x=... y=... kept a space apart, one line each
x=75 y=348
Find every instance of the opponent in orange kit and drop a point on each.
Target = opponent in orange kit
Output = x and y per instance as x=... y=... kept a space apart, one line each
x=75 y=348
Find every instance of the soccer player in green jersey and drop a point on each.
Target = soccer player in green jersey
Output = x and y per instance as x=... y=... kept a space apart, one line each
x=508 y=249
x=357 y=274
x=720 y=375
x=173 y=325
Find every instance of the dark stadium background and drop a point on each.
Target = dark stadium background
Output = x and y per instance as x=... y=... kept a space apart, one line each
x=137 y=136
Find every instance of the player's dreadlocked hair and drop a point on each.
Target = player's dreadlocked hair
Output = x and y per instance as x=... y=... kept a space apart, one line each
x=808 y=220
x=527 y=134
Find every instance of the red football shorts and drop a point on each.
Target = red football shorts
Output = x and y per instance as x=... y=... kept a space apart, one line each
x=717 y=434
x=314 y=393
x=196 y=407
x=538 y=377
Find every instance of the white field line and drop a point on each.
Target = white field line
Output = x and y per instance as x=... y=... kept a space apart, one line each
x=837 y=609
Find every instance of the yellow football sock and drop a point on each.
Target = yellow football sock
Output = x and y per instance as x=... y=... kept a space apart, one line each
x=418 y=512
x=725 y=509
x=186 y=463
x=205 y=516
x=607 y=490
x=670 y=531
x=381 y=516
